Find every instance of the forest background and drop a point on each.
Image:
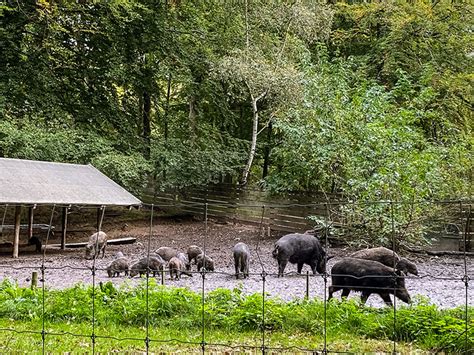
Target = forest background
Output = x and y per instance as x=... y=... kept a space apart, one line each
x=372 y=100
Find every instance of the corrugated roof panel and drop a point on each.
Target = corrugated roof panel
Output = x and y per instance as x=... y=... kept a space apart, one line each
x=38 y=182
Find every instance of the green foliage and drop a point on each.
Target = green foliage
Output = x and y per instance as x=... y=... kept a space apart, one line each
x=203 y=160
x=130 y=171
x=29 y=141
x=177 y=308
x=354 y=137
x=372 y=100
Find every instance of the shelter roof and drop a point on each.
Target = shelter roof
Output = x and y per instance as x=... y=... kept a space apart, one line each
x=39 y=182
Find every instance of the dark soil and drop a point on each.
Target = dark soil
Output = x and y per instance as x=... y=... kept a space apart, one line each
x=440 y=278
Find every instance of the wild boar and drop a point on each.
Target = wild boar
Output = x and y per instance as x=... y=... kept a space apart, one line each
x=388 y=258
x=97 y=243
x=193 y=251
x=166 y=253
x=241 y=254
x=117 y=266
x=300 y=249
x=140 y=267
x=177 y=267
x=184 y=258
x=367 y=277
x=204 y=261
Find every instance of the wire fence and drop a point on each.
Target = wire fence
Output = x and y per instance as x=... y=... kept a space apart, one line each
x=321 y=285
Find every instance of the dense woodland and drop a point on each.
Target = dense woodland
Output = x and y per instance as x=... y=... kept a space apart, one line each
x=369 y=99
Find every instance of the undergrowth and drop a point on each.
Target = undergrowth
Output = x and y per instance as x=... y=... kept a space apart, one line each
x=421 y=323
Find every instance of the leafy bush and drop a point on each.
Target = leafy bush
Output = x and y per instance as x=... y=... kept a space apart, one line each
x=178 y=308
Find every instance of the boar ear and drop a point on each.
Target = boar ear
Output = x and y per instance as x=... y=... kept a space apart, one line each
x=329 y=257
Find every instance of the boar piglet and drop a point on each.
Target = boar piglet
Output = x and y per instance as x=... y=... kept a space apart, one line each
x=177 y=267
x=117 y=266
x=166 y=253
x=154 y=264
x=241 y=254
x=97 y=243
x=204 y=261
x=193 y=251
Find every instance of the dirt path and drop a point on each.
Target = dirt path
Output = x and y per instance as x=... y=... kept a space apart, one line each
x=440 y=277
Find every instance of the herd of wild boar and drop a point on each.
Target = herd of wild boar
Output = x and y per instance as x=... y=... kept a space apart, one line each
x=376 y=270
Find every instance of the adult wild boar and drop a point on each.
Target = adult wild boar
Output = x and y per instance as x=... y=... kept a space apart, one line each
x=193 y=251
x=299 y=249
x=241 y=254
x=388 y=258
x=97 y=243
x=177 y=267
x=204 y=261
x=367 y=277
x=166 y=253
x=155 y=264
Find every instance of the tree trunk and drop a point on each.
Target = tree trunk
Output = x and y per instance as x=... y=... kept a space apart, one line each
x=167 y=109
x=268 y=148
x=192 y=116
x=253 y=145
x=146 y=123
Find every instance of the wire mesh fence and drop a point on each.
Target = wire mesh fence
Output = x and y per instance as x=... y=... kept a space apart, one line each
x=341 y=222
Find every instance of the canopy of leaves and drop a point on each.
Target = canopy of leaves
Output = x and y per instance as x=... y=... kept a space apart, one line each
x=371 y=100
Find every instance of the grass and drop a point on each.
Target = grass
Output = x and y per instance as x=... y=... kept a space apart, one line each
x=230 y=319
x=76 y=337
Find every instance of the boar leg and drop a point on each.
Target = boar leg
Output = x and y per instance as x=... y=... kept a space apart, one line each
x=300 y=267
x=331 y=290
x=345 y=292
x=365 y=295
x=386 y=298
x=281 y=267
x=236 y=263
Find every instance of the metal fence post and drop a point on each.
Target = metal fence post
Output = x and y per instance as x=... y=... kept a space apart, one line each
x=147 y=339
x=392 y=217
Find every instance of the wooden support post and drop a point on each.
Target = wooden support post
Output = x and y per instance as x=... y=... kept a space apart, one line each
x=16 y=238
x=34 y=280
x=98 y=219
x=64 y=228
x=30 y=222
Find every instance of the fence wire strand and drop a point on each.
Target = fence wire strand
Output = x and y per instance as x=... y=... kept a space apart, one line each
x=265 y=345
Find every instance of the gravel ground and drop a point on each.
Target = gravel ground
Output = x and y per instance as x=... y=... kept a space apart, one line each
x=440 y=278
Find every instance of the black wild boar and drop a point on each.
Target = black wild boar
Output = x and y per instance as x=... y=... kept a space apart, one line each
x=241 y=259
x=117 y=266
x=367 y=277
x=300 y=249
x=204 y=261
x=97 y=243
x=193 y=251
x=140 y=267
x=388 y=258
x=177 y=267
x=166 y=253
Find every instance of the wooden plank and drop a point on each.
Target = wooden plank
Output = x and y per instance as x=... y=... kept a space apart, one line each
x=119 y=241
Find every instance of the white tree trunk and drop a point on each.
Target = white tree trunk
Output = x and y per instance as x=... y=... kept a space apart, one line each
x=253 y=145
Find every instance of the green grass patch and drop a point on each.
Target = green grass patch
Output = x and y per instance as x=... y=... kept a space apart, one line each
x=174 y=318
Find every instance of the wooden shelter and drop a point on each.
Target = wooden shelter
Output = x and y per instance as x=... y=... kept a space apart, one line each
x=27 y=183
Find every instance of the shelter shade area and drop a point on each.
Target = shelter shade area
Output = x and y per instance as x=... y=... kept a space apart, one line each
x=29 y=183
